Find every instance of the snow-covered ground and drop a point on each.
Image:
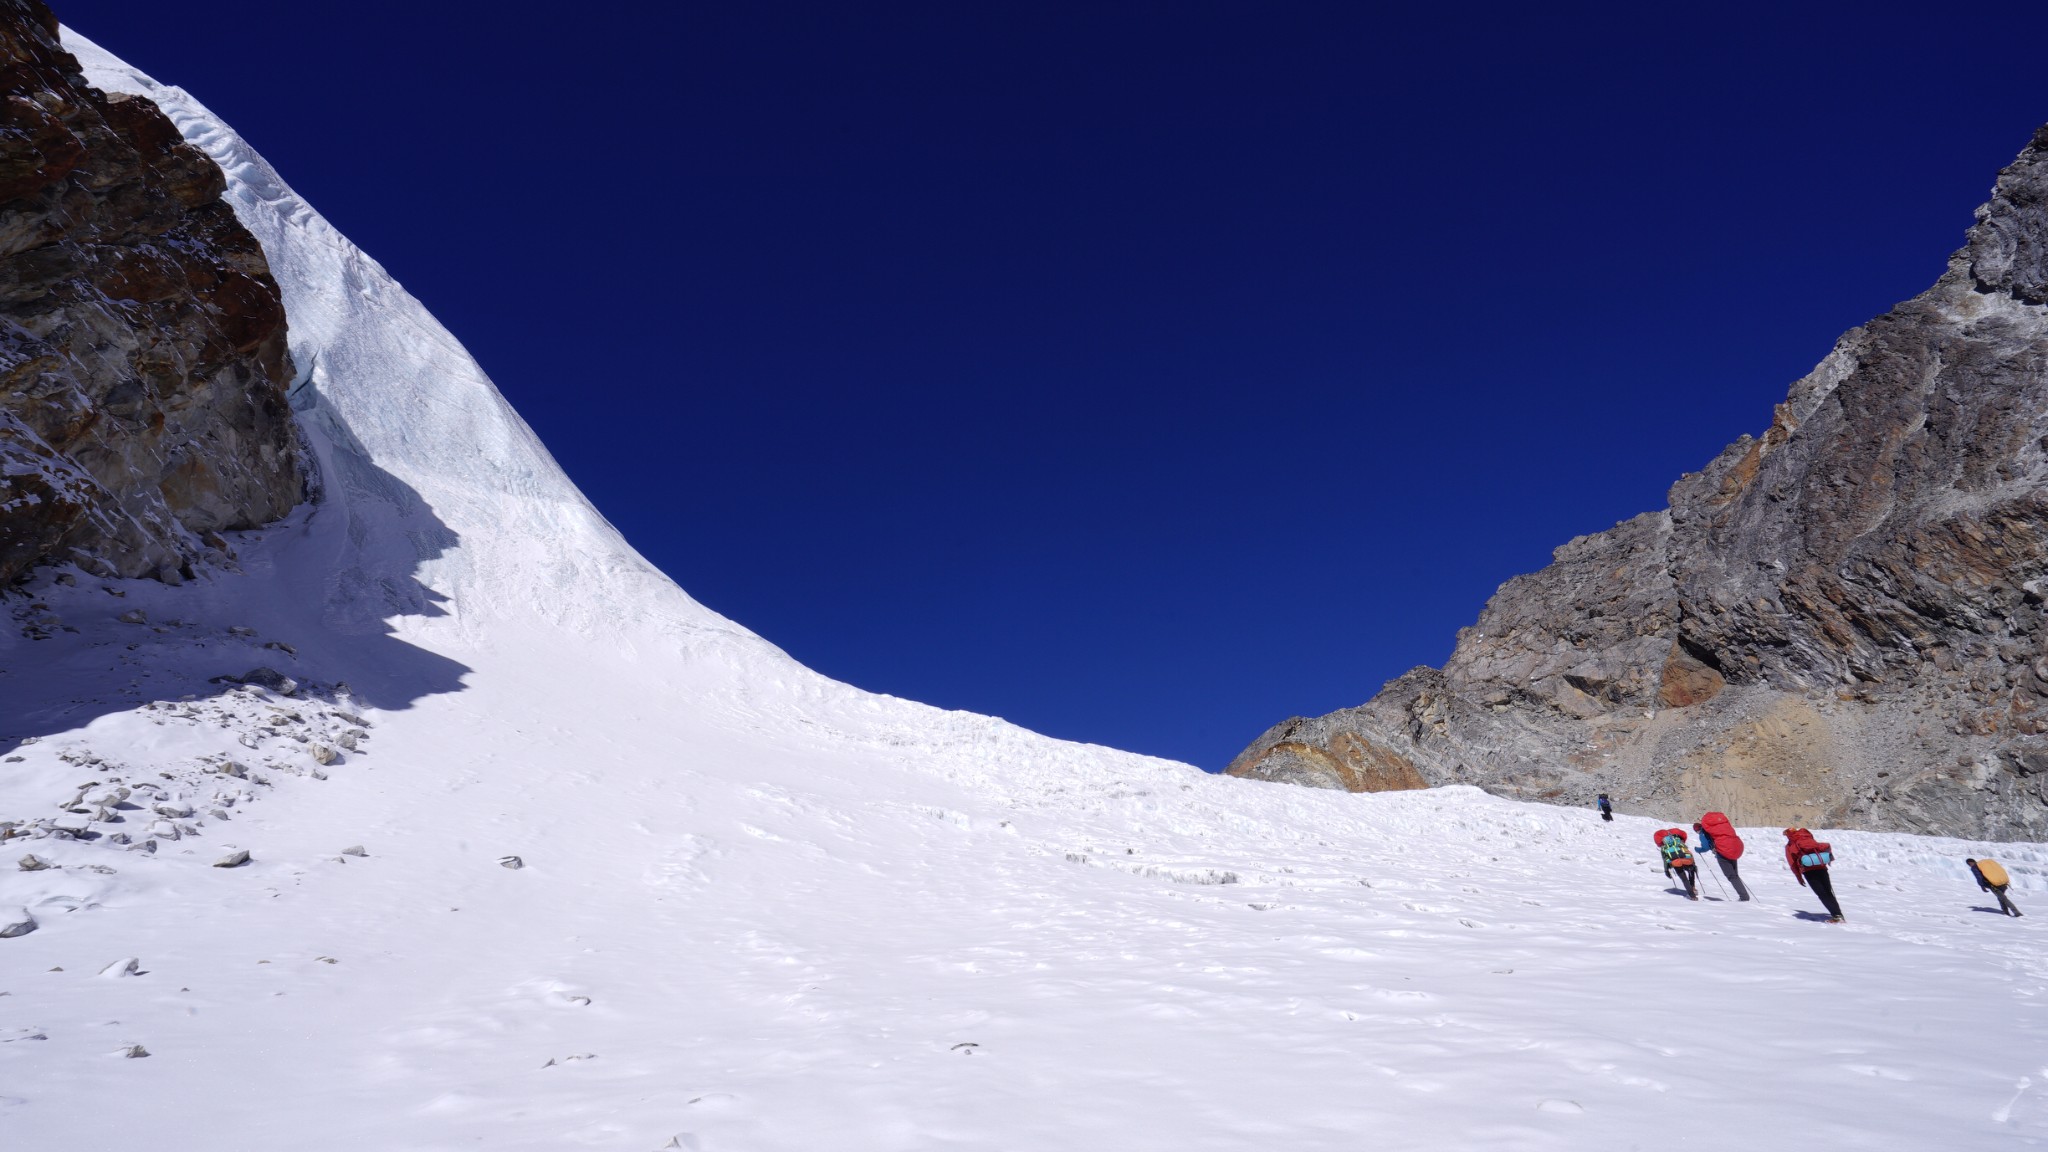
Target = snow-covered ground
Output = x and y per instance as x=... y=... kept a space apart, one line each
x=759 y=910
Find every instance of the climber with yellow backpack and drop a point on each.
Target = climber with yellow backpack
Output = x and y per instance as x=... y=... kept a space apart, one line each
x=1991 y=878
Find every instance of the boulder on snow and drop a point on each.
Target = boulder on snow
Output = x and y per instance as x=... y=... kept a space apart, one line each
x=269 y=678
x=16 y=922
x=322 y=754
x=233 y=859
x=511 y=862
x=30 y=862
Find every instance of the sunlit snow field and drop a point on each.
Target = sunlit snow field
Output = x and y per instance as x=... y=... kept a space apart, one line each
x=762 y=911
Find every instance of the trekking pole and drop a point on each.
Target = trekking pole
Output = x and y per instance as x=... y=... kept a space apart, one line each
x=1717 y=879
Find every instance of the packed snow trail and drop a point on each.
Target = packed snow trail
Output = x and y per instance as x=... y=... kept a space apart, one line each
x=759 y=910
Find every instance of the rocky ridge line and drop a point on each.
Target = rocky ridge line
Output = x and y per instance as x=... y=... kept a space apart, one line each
x=1842 y=622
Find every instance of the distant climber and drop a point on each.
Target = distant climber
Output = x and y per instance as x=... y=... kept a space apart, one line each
x=1606 y=809
x=1718 y=836
x=1678 y=858
x=1809 y=860
x=1991 y=878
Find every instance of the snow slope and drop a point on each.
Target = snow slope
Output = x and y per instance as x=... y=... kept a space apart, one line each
x=760 y=910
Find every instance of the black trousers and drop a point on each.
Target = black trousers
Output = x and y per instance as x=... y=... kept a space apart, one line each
x=1817 y=879
x=2004 y=905
x=1734 y=877
x=1691 y=876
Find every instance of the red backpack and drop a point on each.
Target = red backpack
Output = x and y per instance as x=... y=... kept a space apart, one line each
x=1802 y=851
x=1727 y=845
x=1674 y=855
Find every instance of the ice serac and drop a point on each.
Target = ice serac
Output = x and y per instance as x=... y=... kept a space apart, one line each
x=143 y=361
x=1840 y=622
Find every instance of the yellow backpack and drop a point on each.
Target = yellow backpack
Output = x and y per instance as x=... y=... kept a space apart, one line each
x=1993 y=874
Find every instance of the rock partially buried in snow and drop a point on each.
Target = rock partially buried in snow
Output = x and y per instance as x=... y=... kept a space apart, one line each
x=16 y=922
x=135 y=1052
x=233 y=859
x=354 y=850
x=132 y=966
x=1562 y=1107
x=511 y=862
x=30 y=862
x=322 y=754
x=269 y=678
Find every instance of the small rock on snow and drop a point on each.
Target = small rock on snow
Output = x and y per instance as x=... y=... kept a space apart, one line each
x=233 y=859
x=16 y=922
x=135 y=1052
x=511 y=862
x=354 y=850
x=30 y=862
x=269 y=678
x=133 y=616
x=132 y=966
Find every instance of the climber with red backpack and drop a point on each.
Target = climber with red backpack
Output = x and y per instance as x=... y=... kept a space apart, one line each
x=1671 y=842
x=1809 y=860
x=1718 y=836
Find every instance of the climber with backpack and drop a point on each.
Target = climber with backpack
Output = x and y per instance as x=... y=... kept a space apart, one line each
x=1671 y=842
x=1809 y=860
x=1606 y=809
x=1991 y=878
x=1718 y=836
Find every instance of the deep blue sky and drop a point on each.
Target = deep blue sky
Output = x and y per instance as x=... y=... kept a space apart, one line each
x=1145 y=374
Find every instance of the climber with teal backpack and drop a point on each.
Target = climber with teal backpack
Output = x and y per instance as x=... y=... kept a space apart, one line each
x=1678 y=858
x=1809 y=860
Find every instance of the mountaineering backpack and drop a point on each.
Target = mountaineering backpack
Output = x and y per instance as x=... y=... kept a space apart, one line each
x=1809 y=852
x=1727 y=845
x=1671 y=842
x=1993 y=873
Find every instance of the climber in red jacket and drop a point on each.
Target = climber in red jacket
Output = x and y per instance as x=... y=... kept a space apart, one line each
x=1809 y=860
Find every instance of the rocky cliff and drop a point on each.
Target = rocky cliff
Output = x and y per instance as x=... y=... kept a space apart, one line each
x=142 y=340
x=1841 y=622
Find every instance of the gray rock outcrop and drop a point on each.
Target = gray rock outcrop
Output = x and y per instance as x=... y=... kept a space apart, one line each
x=143 y=365
x=1842 y=622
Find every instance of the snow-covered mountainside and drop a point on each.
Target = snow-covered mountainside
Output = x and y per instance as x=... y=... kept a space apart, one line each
x=545 y=855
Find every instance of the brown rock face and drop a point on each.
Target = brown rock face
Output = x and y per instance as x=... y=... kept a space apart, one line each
x=1842 y=622
x=142 y=340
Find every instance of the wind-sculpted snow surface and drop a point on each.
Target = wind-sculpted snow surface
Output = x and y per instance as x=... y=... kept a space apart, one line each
x=598 y=869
